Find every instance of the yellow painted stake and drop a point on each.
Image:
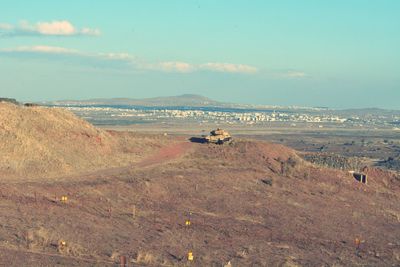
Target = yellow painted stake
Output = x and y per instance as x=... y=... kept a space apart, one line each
x=64 y=199
x=190 y=256
x=62 y=244
x=188 y=223
x=133 y=211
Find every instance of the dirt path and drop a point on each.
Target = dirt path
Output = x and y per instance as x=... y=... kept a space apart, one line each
x=166 y=154
x=160 y=156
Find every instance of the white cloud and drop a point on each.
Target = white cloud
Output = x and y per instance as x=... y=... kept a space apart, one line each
x=292 y=74
x=171 y=66
x=52 y=28
x=40 y=49
x=228 y=67
x=122 y=60
x=88 y=31
x=44 y=49
x=118 y=56
x=55 y=28
x=183 y=67
x=285 y=74
x=111 y=61
x=6 y=26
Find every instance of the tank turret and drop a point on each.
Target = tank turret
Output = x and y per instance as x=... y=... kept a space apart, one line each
x=218 y=136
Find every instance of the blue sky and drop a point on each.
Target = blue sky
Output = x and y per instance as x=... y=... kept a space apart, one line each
x=342 y=53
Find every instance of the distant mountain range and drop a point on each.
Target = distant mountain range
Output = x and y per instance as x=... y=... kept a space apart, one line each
x=193 y=100
x=181 y=100
x=185 y=100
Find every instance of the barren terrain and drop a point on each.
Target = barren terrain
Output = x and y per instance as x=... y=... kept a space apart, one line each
x=250 y=203
x=39 y=142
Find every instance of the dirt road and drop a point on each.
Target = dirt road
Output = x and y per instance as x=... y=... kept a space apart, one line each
x=166 y=154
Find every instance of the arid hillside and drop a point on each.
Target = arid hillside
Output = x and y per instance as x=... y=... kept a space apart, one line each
x=250 y=203
x=47 y=142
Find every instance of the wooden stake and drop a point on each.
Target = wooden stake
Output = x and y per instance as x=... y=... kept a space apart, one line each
x=123 y=261
x=109 y=211
x=27 y=239
x=133 y=211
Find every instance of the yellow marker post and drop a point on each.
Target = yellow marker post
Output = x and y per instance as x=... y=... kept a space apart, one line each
x=133 y=211
x=64 y=199
x=188 y=223
x=62 y=244
x=190 y=256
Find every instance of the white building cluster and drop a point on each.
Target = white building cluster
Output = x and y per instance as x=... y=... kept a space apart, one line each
x=233 y=117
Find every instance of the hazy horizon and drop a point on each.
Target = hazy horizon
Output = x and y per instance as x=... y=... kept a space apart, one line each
x=197 y=95
x=341 y=54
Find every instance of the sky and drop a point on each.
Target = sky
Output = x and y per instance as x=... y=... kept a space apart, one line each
x=338 y=54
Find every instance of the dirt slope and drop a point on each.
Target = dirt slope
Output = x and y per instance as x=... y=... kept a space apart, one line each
x=252 y=203
x=45 y=142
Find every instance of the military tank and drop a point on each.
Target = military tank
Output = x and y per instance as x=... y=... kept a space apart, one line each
x=218 y=136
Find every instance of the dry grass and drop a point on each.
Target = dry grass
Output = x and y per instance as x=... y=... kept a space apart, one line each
x=39 y=142
x=235 y=216
x=144 y=257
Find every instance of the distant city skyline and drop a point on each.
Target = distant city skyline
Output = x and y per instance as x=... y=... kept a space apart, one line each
x=338 y=54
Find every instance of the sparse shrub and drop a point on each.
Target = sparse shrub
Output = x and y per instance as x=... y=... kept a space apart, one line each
x=9 y=100
x=145 y=258
x=267 y=181
x=292 y=162
x=334 y=161
x=288 y=166
x=392 y=163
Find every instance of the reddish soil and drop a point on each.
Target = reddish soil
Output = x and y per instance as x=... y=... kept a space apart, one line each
x=252 y=203
x=166 y=154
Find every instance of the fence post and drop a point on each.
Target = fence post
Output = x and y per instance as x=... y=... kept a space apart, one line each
x=122 y=261
x=133 y=211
